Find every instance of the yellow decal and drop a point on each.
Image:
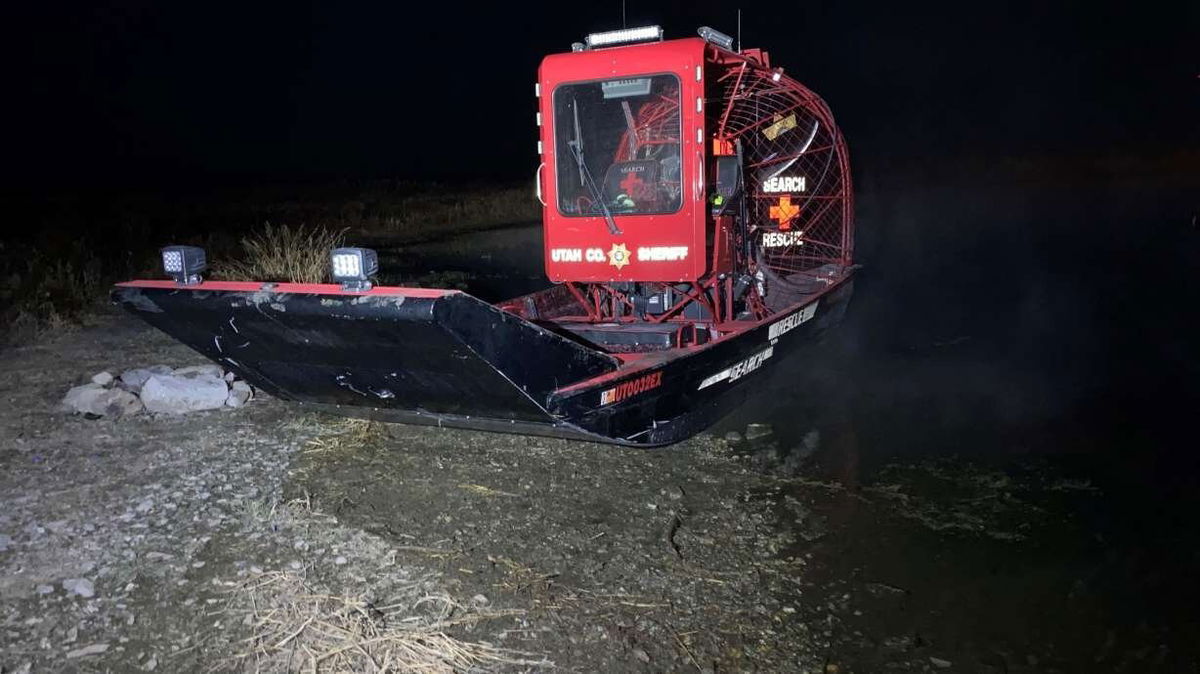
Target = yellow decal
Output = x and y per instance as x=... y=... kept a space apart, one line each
x=781 y=125
x=618 y=256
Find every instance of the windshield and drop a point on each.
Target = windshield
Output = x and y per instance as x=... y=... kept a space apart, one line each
x=617 y=146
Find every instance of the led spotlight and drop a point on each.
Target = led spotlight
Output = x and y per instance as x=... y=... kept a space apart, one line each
x=184 y=264
x=716 y=37
x=353 y=268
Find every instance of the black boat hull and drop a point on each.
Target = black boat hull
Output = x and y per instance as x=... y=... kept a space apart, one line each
x=444 y=358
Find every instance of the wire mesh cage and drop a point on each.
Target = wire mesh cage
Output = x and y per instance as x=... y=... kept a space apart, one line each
x=797 y=180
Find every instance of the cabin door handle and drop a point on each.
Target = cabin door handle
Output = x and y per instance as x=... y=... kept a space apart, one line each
x=537 y=183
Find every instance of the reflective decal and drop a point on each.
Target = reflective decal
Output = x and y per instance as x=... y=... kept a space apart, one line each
x=782 y=239
x=661 y=253
x=739 y=370
x=577 y=255
x=785 y=184
x=782 y=125
x=618 y=256
x=631 y=388
x=791 y=322
x=784 y=212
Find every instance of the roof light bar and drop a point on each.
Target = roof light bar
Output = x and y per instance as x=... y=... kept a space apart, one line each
x=624 y=36
x=714 y=36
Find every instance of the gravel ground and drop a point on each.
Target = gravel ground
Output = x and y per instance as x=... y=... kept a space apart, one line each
x=250 y=539
x=123 y=542
x=121 y=539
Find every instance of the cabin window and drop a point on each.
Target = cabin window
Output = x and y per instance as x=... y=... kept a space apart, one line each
x=617 y=146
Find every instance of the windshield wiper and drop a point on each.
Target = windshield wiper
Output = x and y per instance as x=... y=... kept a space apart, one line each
x=585 y=175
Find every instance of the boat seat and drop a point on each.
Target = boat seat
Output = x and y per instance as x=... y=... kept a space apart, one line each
x=630 y=337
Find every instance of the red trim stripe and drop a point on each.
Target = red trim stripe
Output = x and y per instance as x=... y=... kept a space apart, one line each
x=294 y=288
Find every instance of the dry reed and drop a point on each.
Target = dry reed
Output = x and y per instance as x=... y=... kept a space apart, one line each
x=295 y=628
x=283 y=254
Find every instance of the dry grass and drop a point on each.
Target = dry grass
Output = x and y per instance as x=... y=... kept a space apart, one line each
x=46 y=292
x=435 y=211
x=298 y=629
x=519 y=578
x=346 y=435
x=283 y=254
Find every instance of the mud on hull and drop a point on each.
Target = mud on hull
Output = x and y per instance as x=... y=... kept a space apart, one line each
x=445 y=358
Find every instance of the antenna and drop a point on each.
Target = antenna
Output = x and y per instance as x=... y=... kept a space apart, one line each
x=739 y=44
x=623 y=24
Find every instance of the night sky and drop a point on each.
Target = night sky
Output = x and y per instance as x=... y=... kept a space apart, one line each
x=131 y=93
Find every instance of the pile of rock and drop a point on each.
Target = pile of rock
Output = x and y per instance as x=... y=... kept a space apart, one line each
x=159 y=388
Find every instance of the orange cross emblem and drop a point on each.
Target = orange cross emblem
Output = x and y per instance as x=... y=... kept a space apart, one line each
x=618 y=256
x=785 y=212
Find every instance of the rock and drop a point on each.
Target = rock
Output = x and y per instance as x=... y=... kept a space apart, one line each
x=940 y=663
x=207 y=369
x=94 y=649
x=45 y=589
x=339 y=560
x=756 y=431
x=151 y=664
x=114 y=403
x=239 y=394
x=733 y=436
x=132 y=380
x=80 y=586
x=102 y=378
x=99 y=401
x=479 y=601
x=82 y=399
x=641 y=655
x=174 y=394
x=230 y=376
x=119 y=403
x=5 y=541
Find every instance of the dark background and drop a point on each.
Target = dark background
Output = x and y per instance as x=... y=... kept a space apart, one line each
x=134 y=93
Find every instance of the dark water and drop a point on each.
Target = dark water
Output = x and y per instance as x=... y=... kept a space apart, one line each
x=1044 y=335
